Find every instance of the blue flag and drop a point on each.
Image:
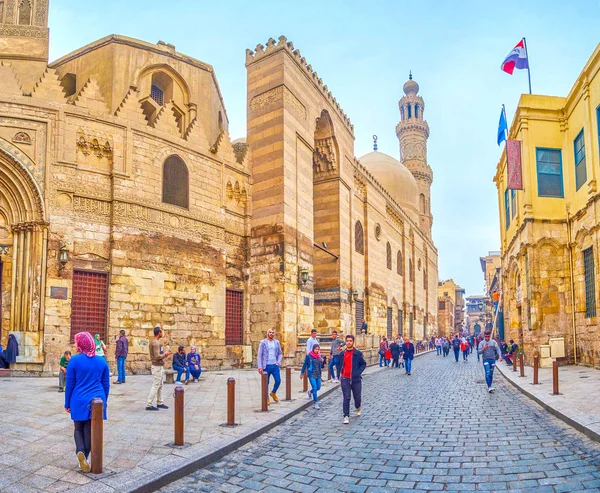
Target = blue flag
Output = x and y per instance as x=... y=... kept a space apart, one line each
x=502 y=126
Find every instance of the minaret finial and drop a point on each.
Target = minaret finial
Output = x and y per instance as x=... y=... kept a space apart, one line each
x=410 y=75
x=374 y=142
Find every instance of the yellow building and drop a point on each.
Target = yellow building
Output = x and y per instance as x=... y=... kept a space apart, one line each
x=549 y=230
x=451 y=307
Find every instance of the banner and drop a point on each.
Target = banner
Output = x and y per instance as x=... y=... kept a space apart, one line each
x=513 y=164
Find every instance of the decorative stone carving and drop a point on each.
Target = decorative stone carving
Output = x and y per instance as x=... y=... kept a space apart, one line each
x=88 y=146
x=275 y=95
x=23 y=31
x=240 y=149
x=92 y=207
x=324 y=155
x=413 y=150
x=22 y=138
x=237 y=192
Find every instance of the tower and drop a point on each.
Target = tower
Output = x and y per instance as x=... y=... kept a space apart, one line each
x=412 y=132
x=24 y=39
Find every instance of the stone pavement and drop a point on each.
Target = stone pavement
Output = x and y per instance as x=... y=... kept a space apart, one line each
x=437 y=430
x=579 y=401
x=37 y=448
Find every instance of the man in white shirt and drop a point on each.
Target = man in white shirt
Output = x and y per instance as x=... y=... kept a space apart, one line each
x=312 y=341
x=269 y=360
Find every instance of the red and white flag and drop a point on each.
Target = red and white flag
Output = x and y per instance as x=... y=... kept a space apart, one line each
x=516 y=59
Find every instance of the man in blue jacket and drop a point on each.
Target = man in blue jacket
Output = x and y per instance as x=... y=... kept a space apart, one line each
x=353 y=365
x=409 y=354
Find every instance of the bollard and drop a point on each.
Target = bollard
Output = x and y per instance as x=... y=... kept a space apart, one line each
x=305 y=382
x=514 y=362
x=536 y=362
x=522 y=364
x=178 y=416
x=264 y=393
x=97 y=435
x=288 y=383
x=555 y=378
x=230 y=401
x=328 y=373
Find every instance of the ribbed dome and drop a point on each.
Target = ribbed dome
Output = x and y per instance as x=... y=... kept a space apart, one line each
x=395 y=178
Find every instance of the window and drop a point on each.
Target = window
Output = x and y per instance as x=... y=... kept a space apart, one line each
x=410 y=324
x=424 y=278
x=399 y=265
x=1 y=12
x=359 y=238
x=400 y=315
x=411 y=274
x=157 y=94
x=422 y=203
x=416 y=111
x=549 y=171
x=590 y=282
x=69 y=83
x=234 y=303
x=359 y=315
x=506 y=210
x=390 y=323
x=389 y=256
x=89 y=303
x=580 y=169
x=441 y=305
x=25 y=13
x=409 y=111
x=175 y=182
x=513 y=203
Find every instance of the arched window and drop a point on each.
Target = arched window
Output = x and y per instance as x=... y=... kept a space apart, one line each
x=25 y=13
x=400 y=266
x=389 y=256
x=402 y=113
x=409 y=111
x=422 y=203
x=359 y=241
x=1 y=11
x=220 y=122
x=411 y=273
x=416 y=111
x=175 y=182
x=425 y=278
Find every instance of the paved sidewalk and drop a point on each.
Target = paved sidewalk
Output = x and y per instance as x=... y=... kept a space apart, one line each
x=579 y=398
x=37 y=451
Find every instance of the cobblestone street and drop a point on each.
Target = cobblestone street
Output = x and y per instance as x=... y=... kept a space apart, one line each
x=437 y=430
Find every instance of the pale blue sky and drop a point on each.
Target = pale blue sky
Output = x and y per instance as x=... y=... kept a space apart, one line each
x=363 y=51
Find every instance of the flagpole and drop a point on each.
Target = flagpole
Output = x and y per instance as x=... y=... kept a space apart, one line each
x=528 y=71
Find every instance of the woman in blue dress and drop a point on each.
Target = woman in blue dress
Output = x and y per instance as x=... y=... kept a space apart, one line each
x=88 y=377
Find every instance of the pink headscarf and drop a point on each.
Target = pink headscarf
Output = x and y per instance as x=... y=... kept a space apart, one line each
x=85 y=343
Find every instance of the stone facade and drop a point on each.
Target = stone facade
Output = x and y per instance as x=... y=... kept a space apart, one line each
x=550 y=234
x=451 y=307
x=125 y=205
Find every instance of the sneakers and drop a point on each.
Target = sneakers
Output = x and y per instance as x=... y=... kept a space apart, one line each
x=60 y=390
x=186 y=382
x=162 y=406
x=309 y=394
x=274 y=397
x=317 y=406
x=346 y=420
x=151 y=408
x=358 y=412
x=84 y=465
x=177 y=382
x=491 y=389
x=195 y=380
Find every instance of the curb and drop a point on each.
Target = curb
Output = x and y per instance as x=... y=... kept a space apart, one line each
x=209 y=458
x=563 y=417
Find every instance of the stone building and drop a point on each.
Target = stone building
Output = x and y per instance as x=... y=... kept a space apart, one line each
x=451 y=306
x=125 y=204
x=549 y=229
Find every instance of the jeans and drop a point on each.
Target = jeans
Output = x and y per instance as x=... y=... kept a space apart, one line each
x=456 y=353
x=195 y=373
x=315 y=384
x=395 y=362
x=276 y=372
x=488 y=366
x=465 y=354
x=158 y=373
x=408 y=365
x=354 y=386
x=62 y=378
x=83 y=437
x=383 y=360
x=335 y=364
x=180 y=370
x=438 y=350
x=121 y=369
x=446 y=351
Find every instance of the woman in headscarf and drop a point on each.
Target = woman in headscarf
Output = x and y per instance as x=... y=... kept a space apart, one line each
x=88 y=377
x=100 y=346
x=11 y=352
x=193 y=359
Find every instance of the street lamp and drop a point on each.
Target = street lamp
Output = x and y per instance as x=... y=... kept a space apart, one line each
x=303 y=274
x=63 y=257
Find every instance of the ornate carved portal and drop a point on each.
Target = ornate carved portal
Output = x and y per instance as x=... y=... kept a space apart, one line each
x=325 y=154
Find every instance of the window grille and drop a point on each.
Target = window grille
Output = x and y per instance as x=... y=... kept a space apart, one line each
x=389 y=256
x=359 y=240
x=157 y=94
x=25 y=13
x=549 y=171
x=580 y=169
x=359 y=315
x=590 y=282
x=89 y=302
x=234 y=303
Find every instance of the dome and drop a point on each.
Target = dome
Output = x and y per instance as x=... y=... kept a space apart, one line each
x=410 y=88
x=395 y=178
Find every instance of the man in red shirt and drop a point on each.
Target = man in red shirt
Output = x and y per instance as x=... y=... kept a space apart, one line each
x=353 y=364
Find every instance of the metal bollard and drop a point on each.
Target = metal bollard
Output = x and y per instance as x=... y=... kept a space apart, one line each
x=178 y=415
x=522 y=364
x=288 y=383
x=230 y=401
x=555 y=378
x=97 y=435
x=264 y=394
x=536 y=362
x=328 y=373
x=305 y=382
x=514 y=362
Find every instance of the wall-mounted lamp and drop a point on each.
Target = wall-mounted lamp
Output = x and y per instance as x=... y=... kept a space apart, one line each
x=63 y=257
x=303 y=275
x=355 y=294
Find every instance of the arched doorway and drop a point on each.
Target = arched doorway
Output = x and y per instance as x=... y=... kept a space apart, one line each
x=23 y=243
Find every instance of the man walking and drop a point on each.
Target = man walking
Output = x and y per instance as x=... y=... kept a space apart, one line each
x=121 y=355
x=409 y=354
x=334 y=357
x=157 y=357
x=395 y=350
x=269 y=361
x=490 y=353
x=353 y=364
x=456 y=347
x=438 y=346
x=312 y=341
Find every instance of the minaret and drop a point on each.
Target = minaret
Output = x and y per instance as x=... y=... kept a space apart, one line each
x=412 y=132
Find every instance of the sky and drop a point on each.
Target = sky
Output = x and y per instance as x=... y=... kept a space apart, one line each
x=363 y=51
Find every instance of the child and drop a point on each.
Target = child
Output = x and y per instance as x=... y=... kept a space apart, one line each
x=313 y=364
x=62 y=371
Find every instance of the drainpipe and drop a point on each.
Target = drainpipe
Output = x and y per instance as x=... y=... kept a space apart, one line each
x=573 y=326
